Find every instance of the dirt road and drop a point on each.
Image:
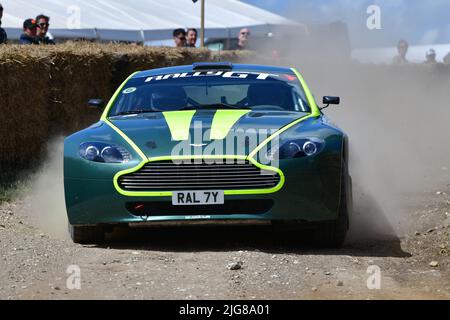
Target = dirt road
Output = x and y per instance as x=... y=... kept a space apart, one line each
x=194 y=263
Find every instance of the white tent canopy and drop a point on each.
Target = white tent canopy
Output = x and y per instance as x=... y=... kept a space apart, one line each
x=137 y=20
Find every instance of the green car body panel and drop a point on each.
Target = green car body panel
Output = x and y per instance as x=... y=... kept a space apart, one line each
x=309 y=188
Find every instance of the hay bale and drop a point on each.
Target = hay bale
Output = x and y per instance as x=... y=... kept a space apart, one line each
x=76 y=76
x=24 y=95
x=45 y=88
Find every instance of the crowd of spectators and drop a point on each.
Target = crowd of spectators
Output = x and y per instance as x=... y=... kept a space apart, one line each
x=402 y=50
x=35 y=31
x=188 y=38
x=185 y=38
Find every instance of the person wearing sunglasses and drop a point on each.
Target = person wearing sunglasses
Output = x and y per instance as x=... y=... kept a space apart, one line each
x=3 y=35
x=179 y=37
x=29 y=32
x=243 y=37
x=43 y=23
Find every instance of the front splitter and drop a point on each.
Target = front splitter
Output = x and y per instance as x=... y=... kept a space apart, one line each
x=195 y=223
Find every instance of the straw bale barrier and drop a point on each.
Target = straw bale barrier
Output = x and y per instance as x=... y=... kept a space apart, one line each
x=44 y=89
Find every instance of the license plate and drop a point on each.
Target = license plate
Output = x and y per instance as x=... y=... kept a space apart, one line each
x=198 y=198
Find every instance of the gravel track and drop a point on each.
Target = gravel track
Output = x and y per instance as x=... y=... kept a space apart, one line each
x=193 y=263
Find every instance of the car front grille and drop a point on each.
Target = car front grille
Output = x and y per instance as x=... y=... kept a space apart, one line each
x=164 y=176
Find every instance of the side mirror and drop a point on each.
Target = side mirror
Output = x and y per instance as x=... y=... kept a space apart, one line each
x=331 y=100
x=96 y=104
x=327 y=100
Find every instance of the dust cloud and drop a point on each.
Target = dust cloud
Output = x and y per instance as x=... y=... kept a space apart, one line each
x=397 y=120
x=43 y=198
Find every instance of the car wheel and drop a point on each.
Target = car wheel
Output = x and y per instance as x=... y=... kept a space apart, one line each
x=332 y=234
x=87 y=234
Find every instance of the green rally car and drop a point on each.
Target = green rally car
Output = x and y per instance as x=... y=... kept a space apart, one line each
x=209 y=143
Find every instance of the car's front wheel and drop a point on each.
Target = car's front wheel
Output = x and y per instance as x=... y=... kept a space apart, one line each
x=87 y=234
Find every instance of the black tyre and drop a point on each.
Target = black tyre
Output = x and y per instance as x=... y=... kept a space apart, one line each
x=87 y=234
x=332 y=234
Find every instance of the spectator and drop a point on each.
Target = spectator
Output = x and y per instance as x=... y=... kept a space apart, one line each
x=402 y=48
x=447 y=59
x=430 y=57
x=29 y=32
x=243 y=36
x=43 y=23
x=3 y=36
x=179 y=36
x=192 y=36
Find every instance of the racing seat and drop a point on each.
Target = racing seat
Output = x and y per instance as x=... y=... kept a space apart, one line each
x=167 y=98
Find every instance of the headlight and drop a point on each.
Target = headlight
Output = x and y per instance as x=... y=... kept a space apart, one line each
x=310 y=148
x=103 y=152
x=298 y=148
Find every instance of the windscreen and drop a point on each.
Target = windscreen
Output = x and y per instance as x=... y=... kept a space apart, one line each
x=211 y=89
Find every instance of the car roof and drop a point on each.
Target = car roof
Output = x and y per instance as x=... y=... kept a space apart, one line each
x=234 y=67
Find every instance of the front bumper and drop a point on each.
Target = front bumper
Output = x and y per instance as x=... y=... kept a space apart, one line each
x=310 y=193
